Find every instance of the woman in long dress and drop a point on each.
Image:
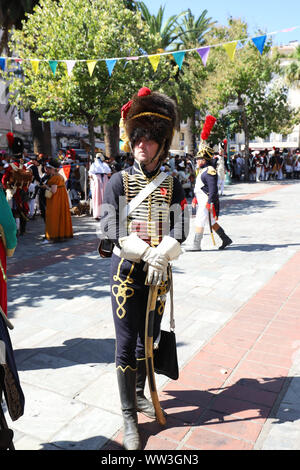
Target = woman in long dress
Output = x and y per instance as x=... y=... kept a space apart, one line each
x=58 y=218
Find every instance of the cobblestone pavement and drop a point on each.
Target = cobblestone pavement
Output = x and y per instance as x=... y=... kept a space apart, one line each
x=237 y=328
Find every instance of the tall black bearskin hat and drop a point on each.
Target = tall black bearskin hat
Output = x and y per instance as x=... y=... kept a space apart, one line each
x=205 y=151
x=152 y=115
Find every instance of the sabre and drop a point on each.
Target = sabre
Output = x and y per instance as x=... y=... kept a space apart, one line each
x=210 y=228
x=149 y=324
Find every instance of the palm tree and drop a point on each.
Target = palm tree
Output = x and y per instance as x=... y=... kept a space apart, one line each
x=180 y=35
x=191 y=32
x=167 y=30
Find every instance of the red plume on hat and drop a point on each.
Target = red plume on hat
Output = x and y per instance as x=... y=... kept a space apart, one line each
x=10 y=139
x=208 y=125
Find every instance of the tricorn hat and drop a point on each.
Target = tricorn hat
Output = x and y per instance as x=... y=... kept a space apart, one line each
x=152 y=115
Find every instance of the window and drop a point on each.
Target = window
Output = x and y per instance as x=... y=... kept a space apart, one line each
x=181 y=135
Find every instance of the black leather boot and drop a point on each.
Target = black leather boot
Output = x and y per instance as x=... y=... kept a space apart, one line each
x=225 y=239
x=144 y=405
x=127 y=390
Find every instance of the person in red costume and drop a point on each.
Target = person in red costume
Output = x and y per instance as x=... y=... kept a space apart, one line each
x=15 y=181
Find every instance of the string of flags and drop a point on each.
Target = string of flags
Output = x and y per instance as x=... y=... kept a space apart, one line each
x=154 y=59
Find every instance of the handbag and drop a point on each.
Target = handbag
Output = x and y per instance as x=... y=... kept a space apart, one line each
x=105 y=248
x=165 y=355
x=48 y=194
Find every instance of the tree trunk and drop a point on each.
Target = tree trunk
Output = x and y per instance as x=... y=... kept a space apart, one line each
x=37 y=133
x=47 y=138
x=91 y=137
x=111 y=140
x=191 y=139
x=247 y=139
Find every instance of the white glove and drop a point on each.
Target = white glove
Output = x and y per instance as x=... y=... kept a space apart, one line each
x=132 y=247
x=170 y=247
x=157 y=266
x=135 y=249
x=155 y=276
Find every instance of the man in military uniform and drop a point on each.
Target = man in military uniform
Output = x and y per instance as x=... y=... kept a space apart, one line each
x=207 y=199
x=146 y=239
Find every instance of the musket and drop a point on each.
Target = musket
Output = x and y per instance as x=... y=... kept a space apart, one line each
x=149 y=326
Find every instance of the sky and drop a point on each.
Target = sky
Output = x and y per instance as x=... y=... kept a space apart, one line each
x=265 y=15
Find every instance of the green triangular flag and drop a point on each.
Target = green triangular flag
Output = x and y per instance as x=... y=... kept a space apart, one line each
x=53 y=65
x=179 y=56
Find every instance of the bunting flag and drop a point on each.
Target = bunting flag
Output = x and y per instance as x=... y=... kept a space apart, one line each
x=110 y=63
x=230 y=48
x=91 y=65
x=154 y=61
x=70 y=65
x=259 y=43
x=178 y=56
x=203 y=52
x=2 y=63
x=35 y=65
x=53 y=65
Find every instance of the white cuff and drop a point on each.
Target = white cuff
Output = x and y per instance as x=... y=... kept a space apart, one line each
x=132 y=247
x=170 y=247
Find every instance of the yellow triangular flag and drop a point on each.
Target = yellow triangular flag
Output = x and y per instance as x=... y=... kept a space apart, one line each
x=91 y=65
x=35 y=65
x=230 y=49
x=154 y=60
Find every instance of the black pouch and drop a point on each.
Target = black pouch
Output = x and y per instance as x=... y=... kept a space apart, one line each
x=105 y=248
x=165 y=357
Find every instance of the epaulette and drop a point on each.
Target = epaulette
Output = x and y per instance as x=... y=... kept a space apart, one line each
x=211 y=170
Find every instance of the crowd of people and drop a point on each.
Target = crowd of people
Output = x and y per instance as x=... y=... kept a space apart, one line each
x=38 y=185
x=267 y=165
x=27 y=179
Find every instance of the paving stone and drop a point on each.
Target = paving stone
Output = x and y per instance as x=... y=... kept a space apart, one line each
x=64 y=335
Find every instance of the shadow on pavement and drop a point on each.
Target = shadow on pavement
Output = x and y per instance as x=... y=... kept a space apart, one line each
x=75 y=350
x=245 y=206
x=93 y=443
x=260 y=246
x=70 y=281
x=246 y=400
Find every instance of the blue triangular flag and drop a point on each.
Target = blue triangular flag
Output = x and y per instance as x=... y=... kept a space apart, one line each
x=53 y=65
x=179 y=56
x=259 y=42
x=2 y=63
x=110 y=63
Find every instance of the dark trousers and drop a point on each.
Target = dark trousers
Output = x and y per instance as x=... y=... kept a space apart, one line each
x=129 y=296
